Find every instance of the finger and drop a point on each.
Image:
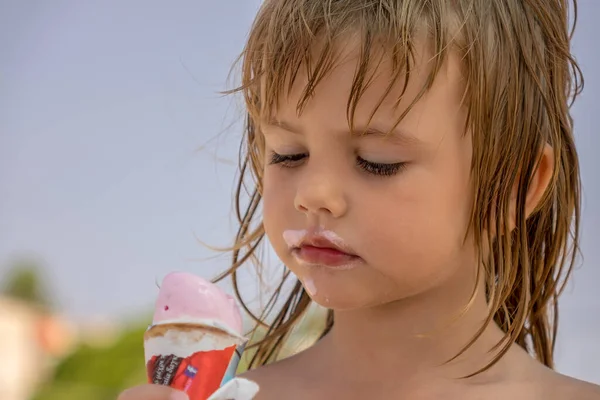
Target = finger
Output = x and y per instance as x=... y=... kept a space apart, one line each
x=152 y=392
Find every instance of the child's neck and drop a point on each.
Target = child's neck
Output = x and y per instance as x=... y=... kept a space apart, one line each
x=411 y=340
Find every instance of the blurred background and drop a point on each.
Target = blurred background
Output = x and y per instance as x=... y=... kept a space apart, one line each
x=118 y=154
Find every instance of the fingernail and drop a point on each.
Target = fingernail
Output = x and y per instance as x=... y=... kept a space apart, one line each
x=178 y=396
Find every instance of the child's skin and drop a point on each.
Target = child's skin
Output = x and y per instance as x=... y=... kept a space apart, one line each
x=416 y=271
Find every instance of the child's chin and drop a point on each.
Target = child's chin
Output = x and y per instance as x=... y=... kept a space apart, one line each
x=345 y=302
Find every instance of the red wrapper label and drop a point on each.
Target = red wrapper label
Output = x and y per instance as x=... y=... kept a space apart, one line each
x=198 y=375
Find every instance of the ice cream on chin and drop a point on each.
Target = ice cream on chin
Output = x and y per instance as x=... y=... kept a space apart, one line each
x=192 y=342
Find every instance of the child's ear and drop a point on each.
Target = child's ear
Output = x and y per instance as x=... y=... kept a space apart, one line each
x=539 y=183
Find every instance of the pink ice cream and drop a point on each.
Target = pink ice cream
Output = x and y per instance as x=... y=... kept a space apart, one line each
x=188 y=298
x=195 y=341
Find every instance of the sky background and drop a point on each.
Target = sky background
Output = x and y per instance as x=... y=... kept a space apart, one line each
x=117 y=152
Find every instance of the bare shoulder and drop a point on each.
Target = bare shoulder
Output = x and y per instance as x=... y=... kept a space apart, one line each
x=269 y=378
x=277 y=381
x=559 y=387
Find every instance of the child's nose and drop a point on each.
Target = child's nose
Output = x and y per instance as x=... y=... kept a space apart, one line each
x=321 y=193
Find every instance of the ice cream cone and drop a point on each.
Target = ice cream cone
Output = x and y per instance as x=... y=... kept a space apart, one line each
x=195 y=343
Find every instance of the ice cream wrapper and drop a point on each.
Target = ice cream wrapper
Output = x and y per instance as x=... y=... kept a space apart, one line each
x=197 y=359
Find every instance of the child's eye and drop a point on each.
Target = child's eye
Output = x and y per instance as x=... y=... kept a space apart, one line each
x=380 y=169
x=287 y=160
x=374 y=168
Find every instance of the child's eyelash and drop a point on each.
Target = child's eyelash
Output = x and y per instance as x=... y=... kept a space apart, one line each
x=286 y=160
x=381 y=169
x=374 y=168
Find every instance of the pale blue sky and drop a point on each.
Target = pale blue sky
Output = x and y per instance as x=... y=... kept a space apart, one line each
x=102 y=108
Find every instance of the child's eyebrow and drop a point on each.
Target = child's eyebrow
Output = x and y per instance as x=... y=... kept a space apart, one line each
x=395 y=136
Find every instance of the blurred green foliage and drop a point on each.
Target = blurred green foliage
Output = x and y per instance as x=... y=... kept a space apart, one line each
x=25 y=281
x=94 y=373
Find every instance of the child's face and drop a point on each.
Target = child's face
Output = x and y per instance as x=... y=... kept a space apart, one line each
x=408 y=228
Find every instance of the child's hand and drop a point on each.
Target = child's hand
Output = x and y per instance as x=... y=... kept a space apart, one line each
x=237 y=389
x=152 y=392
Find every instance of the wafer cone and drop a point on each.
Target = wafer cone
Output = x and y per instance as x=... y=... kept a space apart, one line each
x=193 y=358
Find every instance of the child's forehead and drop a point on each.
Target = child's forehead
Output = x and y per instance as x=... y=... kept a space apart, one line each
x=394 y=111
x=382 y=85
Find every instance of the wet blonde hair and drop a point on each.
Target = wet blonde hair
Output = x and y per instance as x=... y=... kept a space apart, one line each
x=520 y=77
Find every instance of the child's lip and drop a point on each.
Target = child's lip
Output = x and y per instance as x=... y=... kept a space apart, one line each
x=320 y=247
x=318 y=241
x=319 y=238
x=324 y=256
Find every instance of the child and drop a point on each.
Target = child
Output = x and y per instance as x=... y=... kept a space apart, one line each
x=416 y=168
